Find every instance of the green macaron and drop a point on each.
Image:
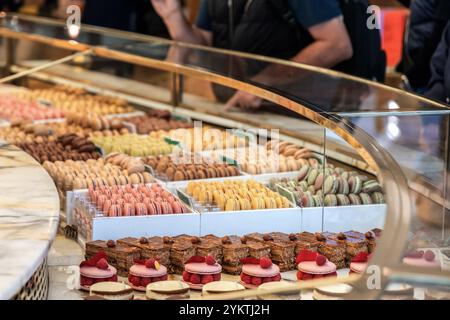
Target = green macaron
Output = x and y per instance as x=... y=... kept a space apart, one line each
x=312 y=176
x=303 y=185
x=319 y=182
x=378 y=198
x=343 y=186
x=303 y=172
x=354 y=199
x=371 y=186
x=365 y=198
x=343 y=200
x=330 y=185
x=318 y=201
x=355 y=184
x=330 y=200
x=307 y=201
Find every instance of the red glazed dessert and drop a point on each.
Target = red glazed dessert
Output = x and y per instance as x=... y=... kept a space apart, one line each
x=95 y=270
x=312 y=265
x=258 y=271
x=199 y=271
x=144 y=272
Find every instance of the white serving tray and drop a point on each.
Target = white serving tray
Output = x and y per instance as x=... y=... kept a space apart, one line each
x=243 y=222
x=338 y=219
x=145 y=226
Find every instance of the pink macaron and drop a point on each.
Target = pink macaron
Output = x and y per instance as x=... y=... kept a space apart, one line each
x=145 y=272
x=199 y=271
x=358 y=267
x=359 y=263
x=258 y=271
x=96 y=270
x=312 y=265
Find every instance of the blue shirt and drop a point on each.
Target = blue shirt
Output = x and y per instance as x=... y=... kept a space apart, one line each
x=307 y=12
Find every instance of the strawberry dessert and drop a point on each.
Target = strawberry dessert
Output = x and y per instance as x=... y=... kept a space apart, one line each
x=312 y=265
x=144 y=272
x=96 y=270
x=258 y=271
x=359 y=263
x=199 y=271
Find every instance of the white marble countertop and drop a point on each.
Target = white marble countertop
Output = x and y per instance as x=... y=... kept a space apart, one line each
x=29 y=217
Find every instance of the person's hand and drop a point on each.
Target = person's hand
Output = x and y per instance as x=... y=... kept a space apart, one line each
x=244 y=101
x=166 y=8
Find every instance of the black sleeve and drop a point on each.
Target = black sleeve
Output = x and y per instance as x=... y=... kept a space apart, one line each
x=436 y=87
x=406 y=3
x=443 y=11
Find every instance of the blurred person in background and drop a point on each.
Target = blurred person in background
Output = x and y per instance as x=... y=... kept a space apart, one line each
x=439 y=86
x=128 y=15
x=427 y=22
x=10 y=5
x=117 y=14
x=304 y=31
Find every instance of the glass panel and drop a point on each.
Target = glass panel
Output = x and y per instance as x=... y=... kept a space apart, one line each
x=390 y=124
x=321 y=91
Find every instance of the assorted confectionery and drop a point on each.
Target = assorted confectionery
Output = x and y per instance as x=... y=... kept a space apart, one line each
x=147 y=172
x=156 y=120
x=254 y=259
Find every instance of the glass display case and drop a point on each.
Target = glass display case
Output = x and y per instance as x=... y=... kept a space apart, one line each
x=388 y=144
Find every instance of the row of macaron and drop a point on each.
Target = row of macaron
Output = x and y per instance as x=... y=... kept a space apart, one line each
x=235 y=195
x=135 y=200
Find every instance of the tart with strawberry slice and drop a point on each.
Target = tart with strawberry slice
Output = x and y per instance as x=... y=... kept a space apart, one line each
x=144 y=272
x=199 y=271
x=95 y=270
x=312 y=265
x=258 y=271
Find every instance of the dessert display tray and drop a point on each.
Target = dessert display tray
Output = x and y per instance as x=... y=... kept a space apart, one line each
x=211 y=220
x=92 y=225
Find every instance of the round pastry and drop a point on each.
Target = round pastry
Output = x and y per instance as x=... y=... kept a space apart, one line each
x=167 y=290
x=111 y=291
x=307 y=200
x=258 y=271
x=96 y=270
x=355 y=184
x=371 y=186
x=427 y=259
x=343 y=200
x=312 y=265
x=312 y=176
x=217 y=287
x=398 y=291
x=333 y=292
x=291 y=293
x=330 y=185
x=144 y=272
x=365 y=198
x=354 y=199
x=303 y=173
x=330 y=200
x=199 y=271
x=378 y=198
